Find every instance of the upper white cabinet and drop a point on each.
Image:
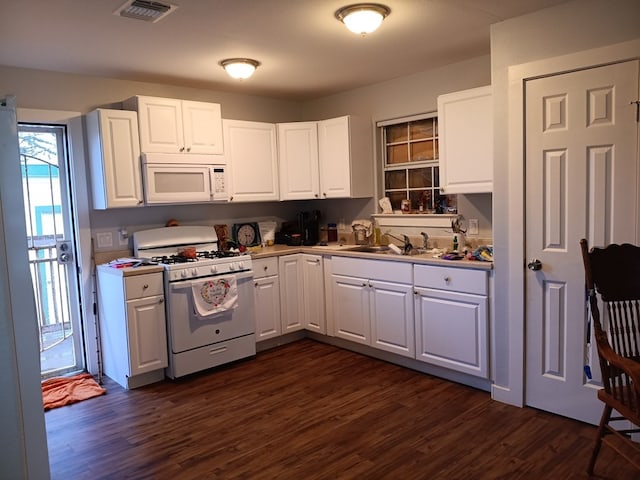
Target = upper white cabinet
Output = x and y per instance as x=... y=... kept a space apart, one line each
x=326 y=159
x=298 y=160
x=465 y=122
x=169 y=125
x=252 y=161
x=345 y=157
x=114 y=154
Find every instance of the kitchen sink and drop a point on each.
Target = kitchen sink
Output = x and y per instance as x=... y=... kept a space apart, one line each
x=371 y=249
x=385 y=250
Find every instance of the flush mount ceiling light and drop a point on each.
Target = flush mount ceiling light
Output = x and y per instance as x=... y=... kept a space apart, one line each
x=240 y=68
x=363 y=18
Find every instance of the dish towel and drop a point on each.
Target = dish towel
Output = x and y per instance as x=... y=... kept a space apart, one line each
x=214 y=296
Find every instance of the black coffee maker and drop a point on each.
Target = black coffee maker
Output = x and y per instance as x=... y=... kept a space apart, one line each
x=309 y=227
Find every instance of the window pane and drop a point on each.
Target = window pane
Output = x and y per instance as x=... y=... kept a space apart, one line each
x=397 y=154
x=421 y=129
x=436 y=177
x=396 y=199
x=397 y=133
x=395 y=179
x=420 y=177
x=421 y=151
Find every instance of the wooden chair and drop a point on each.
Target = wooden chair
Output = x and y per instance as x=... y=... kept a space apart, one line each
x=612 y=277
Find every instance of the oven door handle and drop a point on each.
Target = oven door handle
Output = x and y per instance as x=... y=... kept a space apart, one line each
x=190 y=283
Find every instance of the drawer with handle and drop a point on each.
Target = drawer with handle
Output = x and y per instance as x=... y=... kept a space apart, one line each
x=139 y=286
x=451 y=279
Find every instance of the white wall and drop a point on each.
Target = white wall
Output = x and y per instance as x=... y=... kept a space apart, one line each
x=576 y=26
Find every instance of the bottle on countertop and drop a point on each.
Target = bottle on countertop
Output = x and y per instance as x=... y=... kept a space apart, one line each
x=455 y=243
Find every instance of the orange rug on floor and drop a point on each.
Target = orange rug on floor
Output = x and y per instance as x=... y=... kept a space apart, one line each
x=60 y=391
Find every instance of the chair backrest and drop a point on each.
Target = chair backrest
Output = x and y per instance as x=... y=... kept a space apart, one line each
x=613 y=274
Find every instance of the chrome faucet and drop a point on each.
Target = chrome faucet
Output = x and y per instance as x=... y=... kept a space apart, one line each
x=425 y=240
x=407 y=247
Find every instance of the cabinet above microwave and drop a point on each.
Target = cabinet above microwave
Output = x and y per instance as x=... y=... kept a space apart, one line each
x=170 y=125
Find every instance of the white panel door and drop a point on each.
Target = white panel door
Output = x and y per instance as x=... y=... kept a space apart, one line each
x=267 y=301
x=147 y=335
x=581 y=181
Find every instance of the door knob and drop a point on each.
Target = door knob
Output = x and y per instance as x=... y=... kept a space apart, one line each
x=534 y=265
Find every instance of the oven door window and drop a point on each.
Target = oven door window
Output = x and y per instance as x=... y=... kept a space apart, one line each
x=177 y=184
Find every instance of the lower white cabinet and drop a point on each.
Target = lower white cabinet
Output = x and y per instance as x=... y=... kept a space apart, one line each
x=451 y=318
x=132 y=326
x=372 y=303
x=267 y=298
x=302 y=292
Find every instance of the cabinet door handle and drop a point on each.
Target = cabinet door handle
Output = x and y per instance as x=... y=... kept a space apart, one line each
x=145 y=286
x=447 y=279
x=161 y=300
x=182 y=149
x=188 y=149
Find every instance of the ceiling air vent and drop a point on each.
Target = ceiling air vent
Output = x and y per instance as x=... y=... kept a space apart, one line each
x=145 y=10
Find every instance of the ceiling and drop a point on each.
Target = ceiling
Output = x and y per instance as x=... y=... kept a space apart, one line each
x=305 y=52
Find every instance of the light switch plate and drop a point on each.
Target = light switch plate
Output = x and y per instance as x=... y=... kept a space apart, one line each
x=473 y=226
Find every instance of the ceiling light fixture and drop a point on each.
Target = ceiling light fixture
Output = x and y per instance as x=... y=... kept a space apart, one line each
x=363 y=18
x=240 y=68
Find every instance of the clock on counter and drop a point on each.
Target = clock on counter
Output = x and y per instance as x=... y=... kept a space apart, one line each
x=246 y=234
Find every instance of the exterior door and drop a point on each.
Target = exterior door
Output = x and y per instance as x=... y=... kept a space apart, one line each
x=581 y=181
x=52 y=248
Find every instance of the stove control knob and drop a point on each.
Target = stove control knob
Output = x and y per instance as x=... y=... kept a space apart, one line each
x=241 y=266
x=214 y=269
x=232 y=266
x=194 y=272
x=183 y=274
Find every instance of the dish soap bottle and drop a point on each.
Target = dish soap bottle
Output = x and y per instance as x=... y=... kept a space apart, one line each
x=455 y=243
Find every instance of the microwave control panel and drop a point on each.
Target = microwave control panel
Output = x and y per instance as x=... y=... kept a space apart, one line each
x=219 y=183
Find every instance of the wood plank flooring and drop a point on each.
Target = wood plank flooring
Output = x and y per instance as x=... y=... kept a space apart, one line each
x=313 y=411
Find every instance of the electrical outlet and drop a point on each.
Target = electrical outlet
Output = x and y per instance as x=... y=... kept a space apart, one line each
x=123 y=237
x=104 y=240
x=473 y=226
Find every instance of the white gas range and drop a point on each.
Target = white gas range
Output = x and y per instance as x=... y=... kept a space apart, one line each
x=208 y=295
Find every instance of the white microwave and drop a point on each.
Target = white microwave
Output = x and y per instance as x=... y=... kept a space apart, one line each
x=176 y=178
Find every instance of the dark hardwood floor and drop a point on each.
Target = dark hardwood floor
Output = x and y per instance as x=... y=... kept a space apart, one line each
x=313 y=411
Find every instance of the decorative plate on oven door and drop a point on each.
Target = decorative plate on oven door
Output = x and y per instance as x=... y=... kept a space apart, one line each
x=247 y=234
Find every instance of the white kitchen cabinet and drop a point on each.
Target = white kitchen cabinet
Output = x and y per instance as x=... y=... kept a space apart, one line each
x=302 y=292
x=451 y=309
x=345 y=157
x=298 y=160
x=291 y=292
x=372 y=303
x=114 y=156
x=314 y=318
x=252 y=161
x=465 y=122
x=326 y=159
x=132 y=326
x=170 y=125
x=267 y=298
